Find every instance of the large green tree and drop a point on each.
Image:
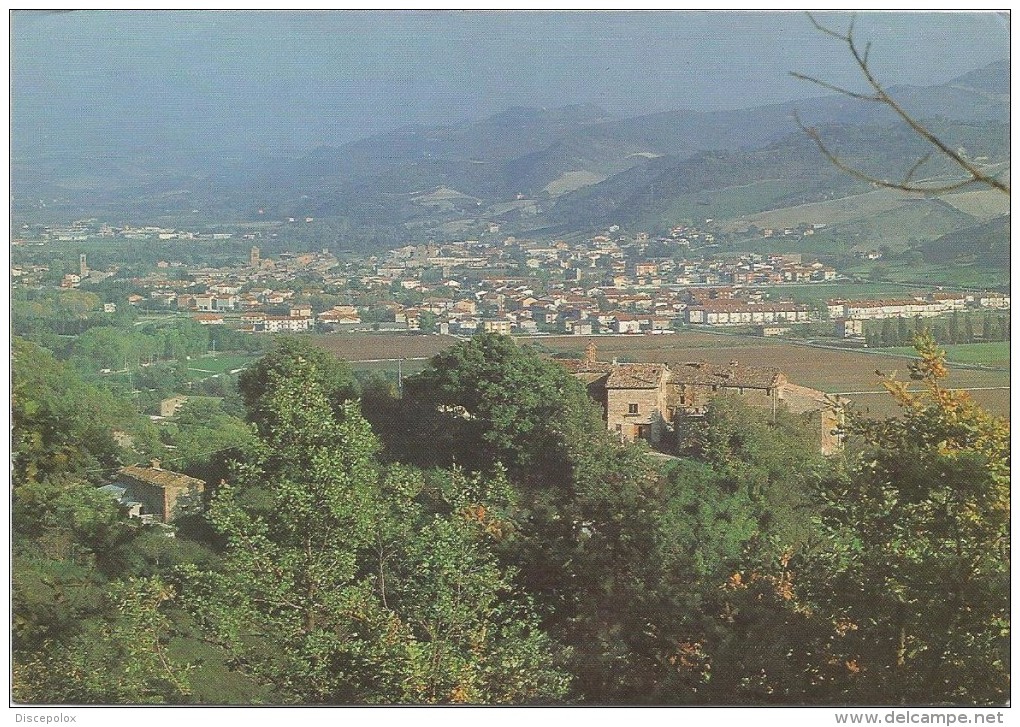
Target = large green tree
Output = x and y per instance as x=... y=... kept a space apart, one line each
x=338 y=586
x=203 y=437
x=291 y=358
x=915 y=568
x=728 y=626
x=584 y=511
x=60 y=424
x=771 y=459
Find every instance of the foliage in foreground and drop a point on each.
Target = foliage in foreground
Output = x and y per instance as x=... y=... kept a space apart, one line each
x=526 y=557
x=338 y=586
x=916 y=561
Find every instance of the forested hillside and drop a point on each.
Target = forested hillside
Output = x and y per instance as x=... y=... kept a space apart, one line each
x=483 y=539
x=540 y=154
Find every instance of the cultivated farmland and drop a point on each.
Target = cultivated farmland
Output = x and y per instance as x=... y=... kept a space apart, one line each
x=378 y=347
x=828 y=369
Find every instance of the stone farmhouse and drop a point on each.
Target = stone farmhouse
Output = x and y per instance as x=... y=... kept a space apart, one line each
x=162 y=494
x=649 y=401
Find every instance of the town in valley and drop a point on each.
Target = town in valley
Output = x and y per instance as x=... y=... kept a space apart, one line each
x=547 y=359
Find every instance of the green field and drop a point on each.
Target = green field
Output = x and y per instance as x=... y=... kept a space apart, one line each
x=202 y=367
x=983 y=354
x=881 y=217
x=830 y=212
x=980 y=203
x=954 y=275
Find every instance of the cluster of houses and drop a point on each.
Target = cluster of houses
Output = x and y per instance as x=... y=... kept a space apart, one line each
x=604 y=260
x=934 y=304
x=474 y=294
x=602 y=284
x=86 y=229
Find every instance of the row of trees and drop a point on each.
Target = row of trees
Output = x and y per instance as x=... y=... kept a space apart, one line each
x=951 y=329
x=483 y=539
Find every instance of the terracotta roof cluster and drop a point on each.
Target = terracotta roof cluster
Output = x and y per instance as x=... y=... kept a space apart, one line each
x=724 y=305
x=650 y=376
x=635 y=376
x=702 y=373
x=580 y=366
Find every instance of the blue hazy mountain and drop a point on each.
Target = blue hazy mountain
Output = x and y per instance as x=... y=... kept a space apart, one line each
x=160 y=111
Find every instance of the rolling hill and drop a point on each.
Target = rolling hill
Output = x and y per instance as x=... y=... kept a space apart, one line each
x=576 y=168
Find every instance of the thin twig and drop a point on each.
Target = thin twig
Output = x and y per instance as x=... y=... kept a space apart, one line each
x=879 y=95
x=815 y=136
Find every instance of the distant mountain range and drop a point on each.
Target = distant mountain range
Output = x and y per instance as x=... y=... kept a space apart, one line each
x=575 y=167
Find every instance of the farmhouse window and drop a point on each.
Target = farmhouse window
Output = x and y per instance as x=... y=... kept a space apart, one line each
x=632 y=408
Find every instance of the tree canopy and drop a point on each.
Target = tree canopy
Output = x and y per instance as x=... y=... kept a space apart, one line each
x=339 y=587
x=485 y=540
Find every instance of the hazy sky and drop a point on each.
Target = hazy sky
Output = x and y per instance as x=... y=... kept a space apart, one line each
x=293 y=79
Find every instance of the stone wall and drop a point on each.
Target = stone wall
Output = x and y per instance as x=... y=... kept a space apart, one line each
x=650 y=413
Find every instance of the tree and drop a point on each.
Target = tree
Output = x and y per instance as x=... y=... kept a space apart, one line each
x=878 y=94
x=968 y=329
x=106 y=347
x=915 y=568
x=729 y=627
x=289 y=358
x=903 y=333
x=338 y=587
x=771 y=460
x=60 y=424
x=118 y=656
x=490 y=400
x=204 y=437
x=887 y=337
x=427 y=322
x=82 y=633
x=953 y=329
x=163 y=379
x=583 y=519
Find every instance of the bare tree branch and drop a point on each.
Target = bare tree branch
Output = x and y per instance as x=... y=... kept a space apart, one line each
x=913 y=170
x=879 y=95
x=837 y=89
x=816 y=137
